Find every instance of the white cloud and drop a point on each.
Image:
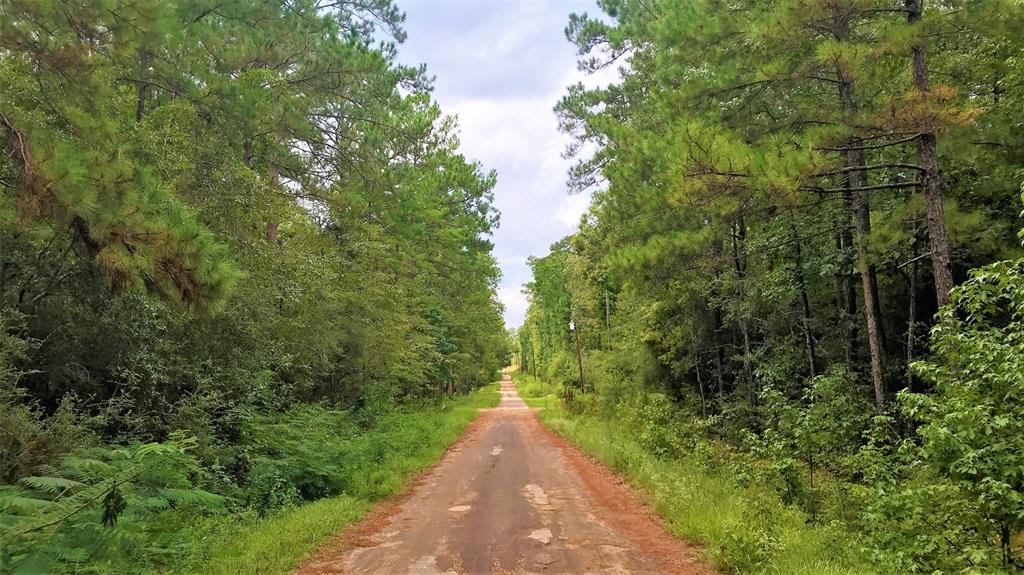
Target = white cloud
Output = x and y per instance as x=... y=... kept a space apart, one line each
x=501 y=67
x=514 y=300
x=571 y=208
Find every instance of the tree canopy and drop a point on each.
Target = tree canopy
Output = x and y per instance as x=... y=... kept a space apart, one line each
x=212 y=211
x=784 y=195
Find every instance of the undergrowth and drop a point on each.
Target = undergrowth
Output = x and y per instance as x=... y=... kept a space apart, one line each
x=173 y=506
x=534 y=391
x=744 y=525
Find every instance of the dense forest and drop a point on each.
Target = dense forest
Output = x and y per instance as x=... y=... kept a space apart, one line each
x=232 y=234
x=801 y=263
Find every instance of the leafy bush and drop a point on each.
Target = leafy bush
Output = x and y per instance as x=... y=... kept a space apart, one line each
x=100 y=506
x=971 y=434
x=751 y=543
x=656 y=424
x=154 y=506
x=28 y=438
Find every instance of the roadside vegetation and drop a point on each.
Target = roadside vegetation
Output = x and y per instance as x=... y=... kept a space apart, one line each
x=313 y=471
x=726 y=500
x=372 y=465
x=534 y=391
x=215 y=303
x=797 y=294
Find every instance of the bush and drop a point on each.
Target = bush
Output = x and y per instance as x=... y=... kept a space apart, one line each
x=714 y=496
x=102 y=505
x=154 y=506
x=751 y=543
x=657 y=424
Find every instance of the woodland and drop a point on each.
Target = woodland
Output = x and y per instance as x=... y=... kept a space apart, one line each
x=247 y=284
x=243 y=266
x=800 y=274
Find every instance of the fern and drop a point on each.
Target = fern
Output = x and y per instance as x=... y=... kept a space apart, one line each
x=18 y=502
x=54 y=485
x=194 y=496
x=71 y=514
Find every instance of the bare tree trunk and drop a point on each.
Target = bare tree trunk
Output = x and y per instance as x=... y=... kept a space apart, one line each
x=806 y=303
x=739 y=258
x=854 y=159
x=716 y=317
x=938 y=243
x=248 y=151
x=873 y=273
x=912 y=308
x=862 y=217
x=700 y=386
x=846 y=291
x=719 y=360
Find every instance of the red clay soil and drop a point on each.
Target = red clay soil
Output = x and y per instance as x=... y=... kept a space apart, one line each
x=510 y=497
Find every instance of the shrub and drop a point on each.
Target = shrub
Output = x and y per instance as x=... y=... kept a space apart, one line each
x=102 y=505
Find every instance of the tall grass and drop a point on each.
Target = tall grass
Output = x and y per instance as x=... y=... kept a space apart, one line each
x=746 y=529
x=534 y=391
x=381 y=462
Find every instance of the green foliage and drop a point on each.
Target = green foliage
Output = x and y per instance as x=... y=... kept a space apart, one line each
x=100 y=507
x=781 y=193
x=971 y=427
x=156 y=507
x=378 y=463
x=212 y=225
x=744 y=526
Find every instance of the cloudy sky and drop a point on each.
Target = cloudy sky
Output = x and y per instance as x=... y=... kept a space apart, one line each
x=501 y=66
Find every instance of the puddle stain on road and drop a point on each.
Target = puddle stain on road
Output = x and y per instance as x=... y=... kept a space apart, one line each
x=536 y=495
x=542 y=535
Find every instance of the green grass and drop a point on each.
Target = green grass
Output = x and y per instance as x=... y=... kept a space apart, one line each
x=542 y=402
x=536 y=393
x=530 y=387
x=745 y=529
x=385 y=458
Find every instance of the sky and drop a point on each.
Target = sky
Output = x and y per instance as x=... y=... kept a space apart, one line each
x=500 y=66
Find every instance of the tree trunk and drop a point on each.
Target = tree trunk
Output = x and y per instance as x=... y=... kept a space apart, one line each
x=740 y=260
x=912 y=308
x=846 y=290
x=862 y=217
x=854 y=160
x=249 y=156
x=938 y=243
x=873 y=274
x=716 y=318
x=700 y=386
x=805 y=301
x=719 y=359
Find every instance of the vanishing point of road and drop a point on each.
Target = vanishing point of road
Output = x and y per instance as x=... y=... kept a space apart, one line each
x=510 y=497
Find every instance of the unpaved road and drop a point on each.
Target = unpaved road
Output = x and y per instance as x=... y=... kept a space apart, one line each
x=509 y=497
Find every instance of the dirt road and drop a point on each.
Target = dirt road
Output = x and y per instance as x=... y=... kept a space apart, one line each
x=510 y=497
